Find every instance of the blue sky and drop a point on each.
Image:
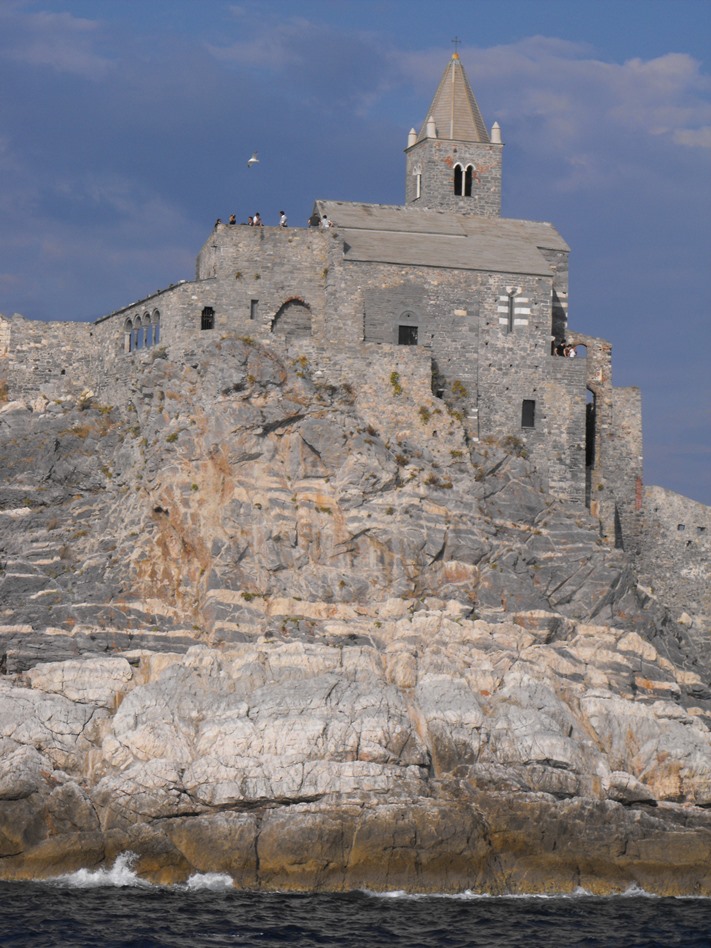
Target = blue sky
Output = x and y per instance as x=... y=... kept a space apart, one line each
x=125 y=127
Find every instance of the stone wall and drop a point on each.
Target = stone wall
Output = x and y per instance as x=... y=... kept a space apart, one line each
x=563 y=409
x=614 y=448
x=50 y=358
x=4 y=337
x=169 y=310
x=624 y=467
x=675 y=550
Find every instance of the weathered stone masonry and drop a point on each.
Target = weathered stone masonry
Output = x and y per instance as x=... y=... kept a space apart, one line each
x=676 y=551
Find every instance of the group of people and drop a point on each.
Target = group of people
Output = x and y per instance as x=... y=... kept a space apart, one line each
x=322 y=221
x=564 y=348
x=254 y=220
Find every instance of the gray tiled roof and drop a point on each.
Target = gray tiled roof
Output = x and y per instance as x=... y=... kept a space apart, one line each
x=454 y=108
x=379 y=233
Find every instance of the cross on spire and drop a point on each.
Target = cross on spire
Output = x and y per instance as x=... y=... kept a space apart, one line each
x=456 y=42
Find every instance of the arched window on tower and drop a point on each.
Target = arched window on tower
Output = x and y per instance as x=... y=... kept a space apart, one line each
x=128 y=336
x=468 y=175
x=156 y=327
x=147 y=331
x=463 y=178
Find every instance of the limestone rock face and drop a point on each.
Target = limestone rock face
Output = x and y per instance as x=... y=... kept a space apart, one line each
x=316 y=636
x=331 y=765
x=97 y=683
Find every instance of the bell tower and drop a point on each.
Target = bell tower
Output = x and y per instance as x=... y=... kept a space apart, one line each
x=452 y=162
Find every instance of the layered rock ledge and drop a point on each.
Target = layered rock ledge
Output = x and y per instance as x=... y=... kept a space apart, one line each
x=423 y=751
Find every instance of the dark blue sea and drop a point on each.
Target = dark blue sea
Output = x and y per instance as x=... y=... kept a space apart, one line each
x=112 y=908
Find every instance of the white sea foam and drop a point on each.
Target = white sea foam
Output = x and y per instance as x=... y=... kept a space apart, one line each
x=393 y=894
x=468 y=895
x=634 y=891
x=580 y=891
x=121 y=875
x=209 y=880
x=415 y=896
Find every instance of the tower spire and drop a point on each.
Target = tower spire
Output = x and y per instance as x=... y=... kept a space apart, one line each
x=454 y=108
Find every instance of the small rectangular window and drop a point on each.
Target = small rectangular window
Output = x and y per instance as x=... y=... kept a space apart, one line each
x=253 y=308
x=407 y=335
x=207 y=320
x=528 y=413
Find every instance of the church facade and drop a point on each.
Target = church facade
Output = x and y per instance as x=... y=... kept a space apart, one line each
x=478 y=301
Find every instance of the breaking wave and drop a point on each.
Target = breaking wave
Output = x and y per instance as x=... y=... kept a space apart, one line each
x=123 y=875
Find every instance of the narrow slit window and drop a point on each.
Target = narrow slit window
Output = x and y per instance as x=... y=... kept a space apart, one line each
x=207 y=320
x=253 y=308
x=510 y=315
x=528 y=413
x=458 y=180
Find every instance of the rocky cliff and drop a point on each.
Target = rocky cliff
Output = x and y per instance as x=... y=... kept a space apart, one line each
x=313 y=635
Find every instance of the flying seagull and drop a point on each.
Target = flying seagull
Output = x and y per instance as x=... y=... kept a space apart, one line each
x=253 y=160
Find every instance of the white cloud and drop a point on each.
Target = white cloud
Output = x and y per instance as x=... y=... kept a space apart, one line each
x=694 y=137
x=59 y=41
x=667 y=96
x=329 y=68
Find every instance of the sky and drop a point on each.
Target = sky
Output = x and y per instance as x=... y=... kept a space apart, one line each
x=126 y=125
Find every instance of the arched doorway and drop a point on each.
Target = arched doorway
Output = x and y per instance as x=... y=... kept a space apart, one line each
x=293 y=320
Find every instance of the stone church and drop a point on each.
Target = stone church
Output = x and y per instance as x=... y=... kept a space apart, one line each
x=441 y=285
